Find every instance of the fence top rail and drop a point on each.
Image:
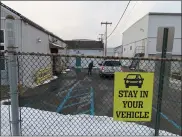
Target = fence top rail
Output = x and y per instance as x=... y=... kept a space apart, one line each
x=96 y=57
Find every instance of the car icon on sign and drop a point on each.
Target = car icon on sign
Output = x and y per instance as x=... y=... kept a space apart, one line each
x=133 y=80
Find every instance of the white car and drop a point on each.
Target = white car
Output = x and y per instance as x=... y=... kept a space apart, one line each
x=109 y=67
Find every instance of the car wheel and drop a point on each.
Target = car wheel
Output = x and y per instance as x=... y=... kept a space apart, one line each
x=127 y=86
x=101 y=75
x=139 y=86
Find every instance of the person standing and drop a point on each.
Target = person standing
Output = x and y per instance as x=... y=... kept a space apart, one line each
x=90 y=67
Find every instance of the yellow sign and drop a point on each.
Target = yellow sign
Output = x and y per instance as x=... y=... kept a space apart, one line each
x=133 y=93
x=43 y=75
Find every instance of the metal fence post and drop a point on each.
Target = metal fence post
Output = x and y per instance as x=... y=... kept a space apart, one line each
x=12 y=75
x=12 y=72
x=161 y=82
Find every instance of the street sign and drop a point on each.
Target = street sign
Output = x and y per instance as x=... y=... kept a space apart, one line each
x=133 y=93
x=160 y=40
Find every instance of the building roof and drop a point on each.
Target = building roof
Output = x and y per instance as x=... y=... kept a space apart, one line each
x=31 y=22
x=115 y=48
x=163 y=13
x=89 y=44
x=154 y=13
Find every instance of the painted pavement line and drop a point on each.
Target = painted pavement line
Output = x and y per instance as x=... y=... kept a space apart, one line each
x=78 y=83
x=169 y=120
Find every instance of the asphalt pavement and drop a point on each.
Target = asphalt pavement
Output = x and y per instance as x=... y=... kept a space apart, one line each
x=171 y=103
x=49 y=96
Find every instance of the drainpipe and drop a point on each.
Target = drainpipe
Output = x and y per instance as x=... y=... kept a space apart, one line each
x=21 y=35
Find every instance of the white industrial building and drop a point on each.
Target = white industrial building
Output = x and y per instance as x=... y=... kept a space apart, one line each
x=141 y=37
x=110 y=51
x=28 y=36
x=118 y=51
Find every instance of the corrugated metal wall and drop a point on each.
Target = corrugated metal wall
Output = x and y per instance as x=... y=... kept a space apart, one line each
x=4 y=13
x=26 y=40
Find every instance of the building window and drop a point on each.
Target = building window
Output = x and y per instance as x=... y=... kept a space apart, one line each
x=130 y=47
x=2 y=36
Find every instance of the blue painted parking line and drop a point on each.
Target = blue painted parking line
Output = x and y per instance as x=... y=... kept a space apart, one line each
x=84 y=112
x=60 y=107
x=169 y=120
x=73 y=104
x=79 y=95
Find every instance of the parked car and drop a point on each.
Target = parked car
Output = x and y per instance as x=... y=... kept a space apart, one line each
x=109 y=67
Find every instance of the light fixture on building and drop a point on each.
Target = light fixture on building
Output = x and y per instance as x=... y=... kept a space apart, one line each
x=38 y=39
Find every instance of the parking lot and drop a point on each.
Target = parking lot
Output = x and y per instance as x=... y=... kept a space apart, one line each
x=49 y=96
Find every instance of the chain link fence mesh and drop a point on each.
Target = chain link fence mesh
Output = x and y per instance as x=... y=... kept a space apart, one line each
x=5 y=96
x=45 y=81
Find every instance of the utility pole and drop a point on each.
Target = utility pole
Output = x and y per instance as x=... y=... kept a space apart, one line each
x=106 y=23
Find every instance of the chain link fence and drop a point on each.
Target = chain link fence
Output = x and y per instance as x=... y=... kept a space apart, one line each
x=47 y=83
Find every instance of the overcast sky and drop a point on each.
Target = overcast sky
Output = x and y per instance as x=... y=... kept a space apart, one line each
x=81 y=19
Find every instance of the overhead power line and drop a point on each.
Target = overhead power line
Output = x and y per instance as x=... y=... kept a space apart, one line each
x=119 y=19
x=131 y=11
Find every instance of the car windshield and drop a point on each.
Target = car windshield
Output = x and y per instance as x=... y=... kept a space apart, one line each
x=133 y=76
x=112 y=63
